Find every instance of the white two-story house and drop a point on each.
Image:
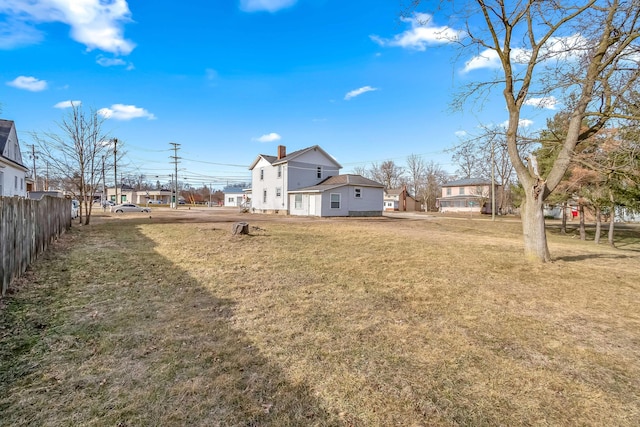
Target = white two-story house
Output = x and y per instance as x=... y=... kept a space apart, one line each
x=13 y=173
x=307 y=182
x=272 y=177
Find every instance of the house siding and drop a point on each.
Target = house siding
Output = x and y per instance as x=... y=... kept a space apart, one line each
x=305 y=174
x=298 y=172
x=369 y=205
x=13 y=174
x=268 y=183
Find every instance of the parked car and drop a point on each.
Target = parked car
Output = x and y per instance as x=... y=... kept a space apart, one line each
x=129 y=207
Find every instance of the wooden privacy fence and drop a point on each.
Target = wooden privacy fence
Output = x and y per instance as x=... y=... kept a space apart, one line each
x=27 y=227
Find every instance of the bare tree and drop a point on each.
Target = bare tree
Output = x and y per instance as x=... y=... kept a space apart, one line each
x=471 y=159
x=362 y=171
x=416 y=171
x=485 y=155
x=75 y=154
x=435 y=177
x=583 y=53
x=387 y=173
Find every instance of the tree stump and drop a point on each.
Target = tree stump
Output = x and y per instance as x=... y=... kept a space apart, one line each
x=240 y=228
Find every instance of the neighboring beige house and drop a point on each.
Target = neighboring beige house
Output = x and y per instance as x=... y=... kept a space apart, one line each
x=401 y=200
x=13 y=173
x=467 y=195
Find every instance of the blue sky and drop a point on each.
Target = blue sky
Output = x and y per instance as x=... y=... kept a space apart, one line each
x=232 y=79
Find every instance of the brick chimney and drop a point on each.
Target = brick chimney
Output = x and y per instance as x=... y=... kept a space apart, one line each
x=282 y=151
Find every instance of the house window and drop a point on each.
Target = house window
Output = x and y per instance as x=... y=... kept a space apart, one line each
x=479 y=189
x=264 y=196
x=261 y=174
x=319 y=172
x=462 y=191
x=15 y=182
x=230 y=200
x=298 y=201
x=449 y=191
x=279 y=171
x=278 y=191
x=21 y=184
x=358 y=193
x=1 y=182
x=335 y=200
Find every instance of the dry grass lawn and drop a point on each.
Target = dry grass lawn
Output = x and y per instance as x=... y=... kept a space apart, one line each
x=171 y=320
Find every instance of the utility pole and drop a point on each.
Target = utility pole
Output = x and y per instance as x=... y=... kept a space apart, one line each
x=175 y=163
x=104 y=186
x=46 y=180
x=210 y=191
x=35 y=177
x=115 y=166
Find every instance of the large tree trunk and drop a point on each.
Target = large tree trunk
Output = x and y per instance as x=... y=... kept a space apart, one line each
x=596 y=238
x=533 y=228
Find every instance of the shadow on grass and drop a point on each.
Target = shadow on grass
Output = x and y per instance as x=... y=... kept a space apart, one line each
x=626 y=236
x=583 y=257
x=106 y=331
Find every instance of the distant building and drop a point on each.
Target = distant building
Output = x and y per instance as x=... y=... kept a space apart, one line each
x=467 y=195
x=401 y=200
x=234 y=196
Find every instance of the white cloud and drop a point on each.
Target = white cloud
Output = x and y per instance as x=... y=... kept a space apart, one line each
x=28 y=83
x=560 y=48
x=358 y=92
x=113 y=62
x=95 y=23
x=67 y=104
x=125 y=112
x=565 y=48
x=421 y=34
x=548 y=102
x=270 y=137
x=486 y=59
x=489 y=58
x=461 y=133
x=265 y=5
x=15 y=34
x=523 y=123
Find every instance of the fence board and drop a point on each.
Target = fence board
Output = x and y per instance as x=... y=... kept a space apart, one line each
x=27 y=228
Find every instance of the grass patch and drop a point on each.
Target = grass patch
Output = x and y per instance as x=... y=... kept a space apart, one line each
x=371 y=322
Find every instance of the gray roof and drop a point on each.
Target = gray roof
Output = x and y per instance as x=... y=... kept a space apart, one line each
x=5 y=130
x=467 y=181
x=273 y=160
x=340 y=181
x=233 y=190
